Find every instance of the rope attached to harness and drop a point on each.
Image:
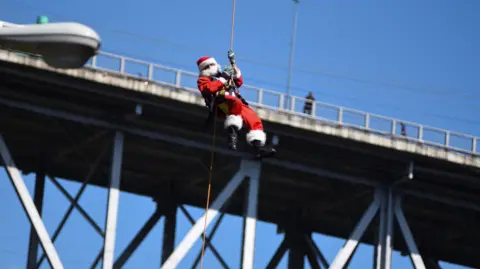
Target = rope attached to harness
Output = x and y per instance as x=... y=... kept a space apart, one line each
x=213 y=147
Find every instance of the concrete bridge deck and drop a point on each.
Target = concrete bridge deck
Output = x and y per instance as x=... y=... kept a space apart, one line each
x=417 y=145
x=323 y=177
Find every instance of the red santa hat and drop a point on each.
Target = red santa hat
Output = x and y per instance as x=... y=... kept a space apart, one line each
x=204 y=61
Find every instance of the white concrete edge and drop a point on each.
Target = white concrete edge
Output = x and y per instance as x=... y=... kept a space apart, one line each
x=139 y=85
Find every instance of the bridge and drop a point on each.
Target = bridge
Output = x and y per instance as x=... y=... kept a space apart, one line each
x=128 y=130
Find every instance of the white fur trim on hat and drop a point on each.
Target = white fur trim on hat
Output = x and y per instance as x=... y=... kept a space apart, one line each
x=233 y=120
x=208 y=61
x=256 y=135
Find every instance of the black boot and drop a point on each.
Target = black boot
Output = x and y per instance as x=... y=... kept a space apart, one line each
x=232 y=137
x=262 y=151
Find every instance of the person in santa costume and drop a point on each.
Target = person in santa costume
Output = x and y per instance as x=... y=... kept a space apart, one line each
x=220 y=91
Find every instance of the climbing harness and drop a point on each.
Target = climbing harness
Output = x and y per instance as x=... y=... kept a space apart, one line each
x=214 y=112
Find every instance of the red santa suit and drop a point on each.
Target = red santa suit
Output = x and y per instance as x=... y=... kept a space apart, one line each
x=235 y=112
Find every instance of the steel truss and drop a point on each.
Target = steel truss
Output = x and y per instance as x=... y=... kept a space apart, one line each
x=387 y=202
x=299 y=242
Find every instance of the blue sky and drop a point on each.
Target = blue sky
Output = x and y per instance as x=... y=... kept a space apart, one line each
x=414 y=60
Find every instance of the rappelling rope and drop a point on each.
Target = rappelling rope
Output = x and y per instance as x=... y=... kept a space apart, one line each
x=233 y=24
x=213 y=146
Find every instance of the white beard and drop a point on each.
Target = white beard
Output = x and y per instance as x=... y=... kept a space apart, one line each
x=212 y=71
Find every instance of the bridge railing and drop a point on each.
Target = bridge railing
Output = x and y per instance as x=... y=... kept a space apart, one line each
x=321 y=113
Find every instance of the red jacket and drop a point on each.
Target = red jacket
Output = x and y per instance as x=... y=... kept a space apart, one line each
x=208 y=85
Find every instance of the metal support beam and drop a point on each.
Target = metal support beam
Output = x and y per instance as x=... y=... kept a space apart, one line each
x=277 y=257
x=347 y=250
x=389 y=235
x=169 y=227
x=209 y=240
x=296 y=253
x=137 y=240
x=250 y=219
x=38 y=200
x=312 y=257
x=82 y=211
x=113 y=199
x=208 y=243
x=300 y=244
x=29 y=206
x=384 y=247
x=314 y=248
x=91 y=172
x=407 y=235
x=247 y=169
x=97 y=259
x=382 y=231
x=391 y=206
x=432 y=264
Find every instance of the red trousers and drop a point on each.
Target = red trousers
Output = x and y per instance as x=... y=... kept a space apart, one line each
x=239 y=114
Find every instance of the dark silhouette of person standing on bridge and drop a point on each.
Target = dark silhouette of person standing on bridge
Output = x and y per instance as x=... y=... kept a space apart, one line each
x=220 y=91
x=307 y=107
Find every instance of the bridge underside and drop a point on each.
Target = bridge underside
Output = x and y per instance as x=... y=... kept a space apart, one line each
x=323 y=183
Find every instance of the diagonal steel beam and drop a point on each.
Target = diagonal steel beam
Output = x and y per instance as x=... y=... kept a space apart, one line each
x=98 y=258
x=209 y=240
x=208 y=243
x=314 y=248
x=29 y=206
x=137 y=240
x=312 y=258
x=80 y=209
x=347 y=250
x=91 y=172
x=277 y=257
x=433 y=264
x=38 y=200
x=207 y=217
x=407 y=235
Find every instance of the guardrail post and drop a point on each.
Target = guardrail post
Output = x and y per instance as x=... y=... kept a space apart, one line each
x=340 y=114
x=367 y=120
x=150 y=72
x=420 y=132
x=260 y=96
x=394 y=127
x=474 y=145
x=292 y=103
x=94 y=61
x=178 y=77
x=314 y=109
x=122 y=65
x=447 y=138
x=281 y=101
